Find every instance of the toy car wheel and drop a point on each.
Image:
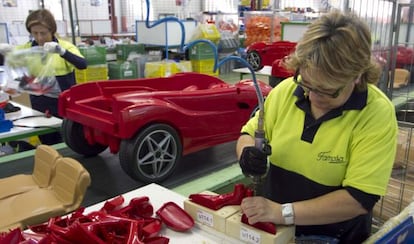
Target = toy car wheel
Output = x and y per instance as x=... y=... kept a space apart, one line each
x=254 y=59
x=152 y=155
x=73 y=136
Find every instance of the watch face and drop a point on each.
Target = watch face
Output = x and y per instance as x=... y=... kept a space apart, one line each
x=287 y=210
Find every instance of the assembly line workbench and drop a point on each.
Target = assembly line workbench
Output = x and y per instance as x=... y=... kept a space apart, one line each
x=159 y=195
x=28 y=122
x=199 y=233
x=265 y=71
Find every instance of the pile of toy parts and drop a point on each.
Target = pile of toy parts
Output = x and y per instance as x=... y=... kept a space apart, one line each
x=133 y=223
x=113 y=223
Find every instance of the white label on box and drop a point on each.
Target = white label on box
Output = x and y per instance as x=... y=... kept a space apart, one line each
x=205 y=218
x=128 y=73
x=249 y=236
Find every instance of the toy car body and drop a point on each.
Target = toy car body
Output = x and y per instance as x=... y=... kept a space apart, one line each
x=279 y=73
x=260 y=54
x=404 y=56
x=152 y=122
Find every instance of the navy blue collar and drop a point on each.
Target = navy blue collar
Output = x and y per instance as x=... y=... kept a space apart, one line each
x=357 y=100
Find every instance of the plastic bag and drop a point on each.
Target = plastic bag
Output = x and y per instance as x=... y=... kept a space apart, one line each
x=4 y=97
x=31 y=70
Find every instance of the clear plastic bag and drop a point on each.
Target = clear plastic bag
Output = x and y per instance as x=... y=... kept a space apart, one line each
x=4 y=97
x=31 y=70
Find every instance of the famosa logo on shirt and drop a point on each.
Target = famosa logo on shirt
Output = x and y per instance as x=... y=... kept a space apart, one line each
x=332 y=159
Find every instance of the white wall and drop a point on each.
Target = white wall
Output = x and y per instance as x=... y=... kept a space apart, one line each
x=88 y=14
x=17 y=13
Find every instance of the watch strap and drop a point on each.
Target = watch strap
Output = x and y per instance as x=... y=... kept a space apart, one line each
x=288 y=213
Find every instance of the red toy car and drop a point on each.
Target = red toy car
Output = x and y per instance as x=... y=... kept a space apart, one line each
x=152 y=122
x=260 y=54
x=279 y=73
x=405 y=56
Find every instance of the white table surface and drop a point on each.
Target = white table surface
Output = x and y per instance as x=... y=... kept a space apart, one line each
x=158 y=195
x=31 y=125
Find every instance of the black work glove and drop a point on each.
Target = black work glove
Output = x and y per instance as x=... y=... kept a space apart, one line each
x=253 y=161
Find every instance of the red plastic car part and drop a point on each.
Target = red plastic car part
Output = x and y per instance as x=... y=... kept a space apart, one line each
x=157 y=240
x=113 y=203
x=151 y=228
x=137 y=207
x=279 y=71
x=113 y=223
x=216 y=202
x=175 y=217
x=13 y=236
x=265 y=226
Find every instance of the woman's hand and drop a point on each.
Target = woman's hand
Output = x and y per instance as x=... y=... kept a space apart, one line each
x=5 y=48
x=260 y=209
x=54 y=47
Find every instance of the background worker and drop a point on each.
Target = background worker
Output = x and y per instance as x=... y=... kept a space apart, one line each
x=42 y=27
x=332 y=133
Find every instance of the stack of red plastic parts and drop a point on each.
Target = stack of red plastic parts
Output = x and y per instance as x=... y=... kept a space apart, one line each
x=113 y=223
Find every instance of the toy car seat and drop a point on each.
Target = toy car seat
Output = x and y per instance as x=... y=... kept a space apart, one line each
x=44 y=163
x=65 y=194
x=401 y=78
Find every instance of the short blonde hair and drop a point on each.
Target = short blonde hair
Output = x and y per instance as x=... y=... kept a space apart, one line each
x=337 y=47
x=41 y=17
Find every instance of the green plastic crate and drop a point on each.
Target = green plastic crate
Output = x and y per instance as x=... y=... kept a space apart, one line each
x=124 y=50
x=94 y=55
x=201 y=51
x=122 y=70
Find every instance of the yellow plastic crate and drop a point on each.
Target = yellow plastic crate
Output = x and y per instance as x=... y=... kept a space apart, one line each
x=245 y=3
x=92 y=73
x=184 y=66
x=206 y=31
x=203 y=65
x=166 y=68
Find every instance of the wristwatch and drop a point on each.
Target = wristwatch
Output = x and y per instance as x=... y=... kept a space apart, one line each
x=288 y=214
